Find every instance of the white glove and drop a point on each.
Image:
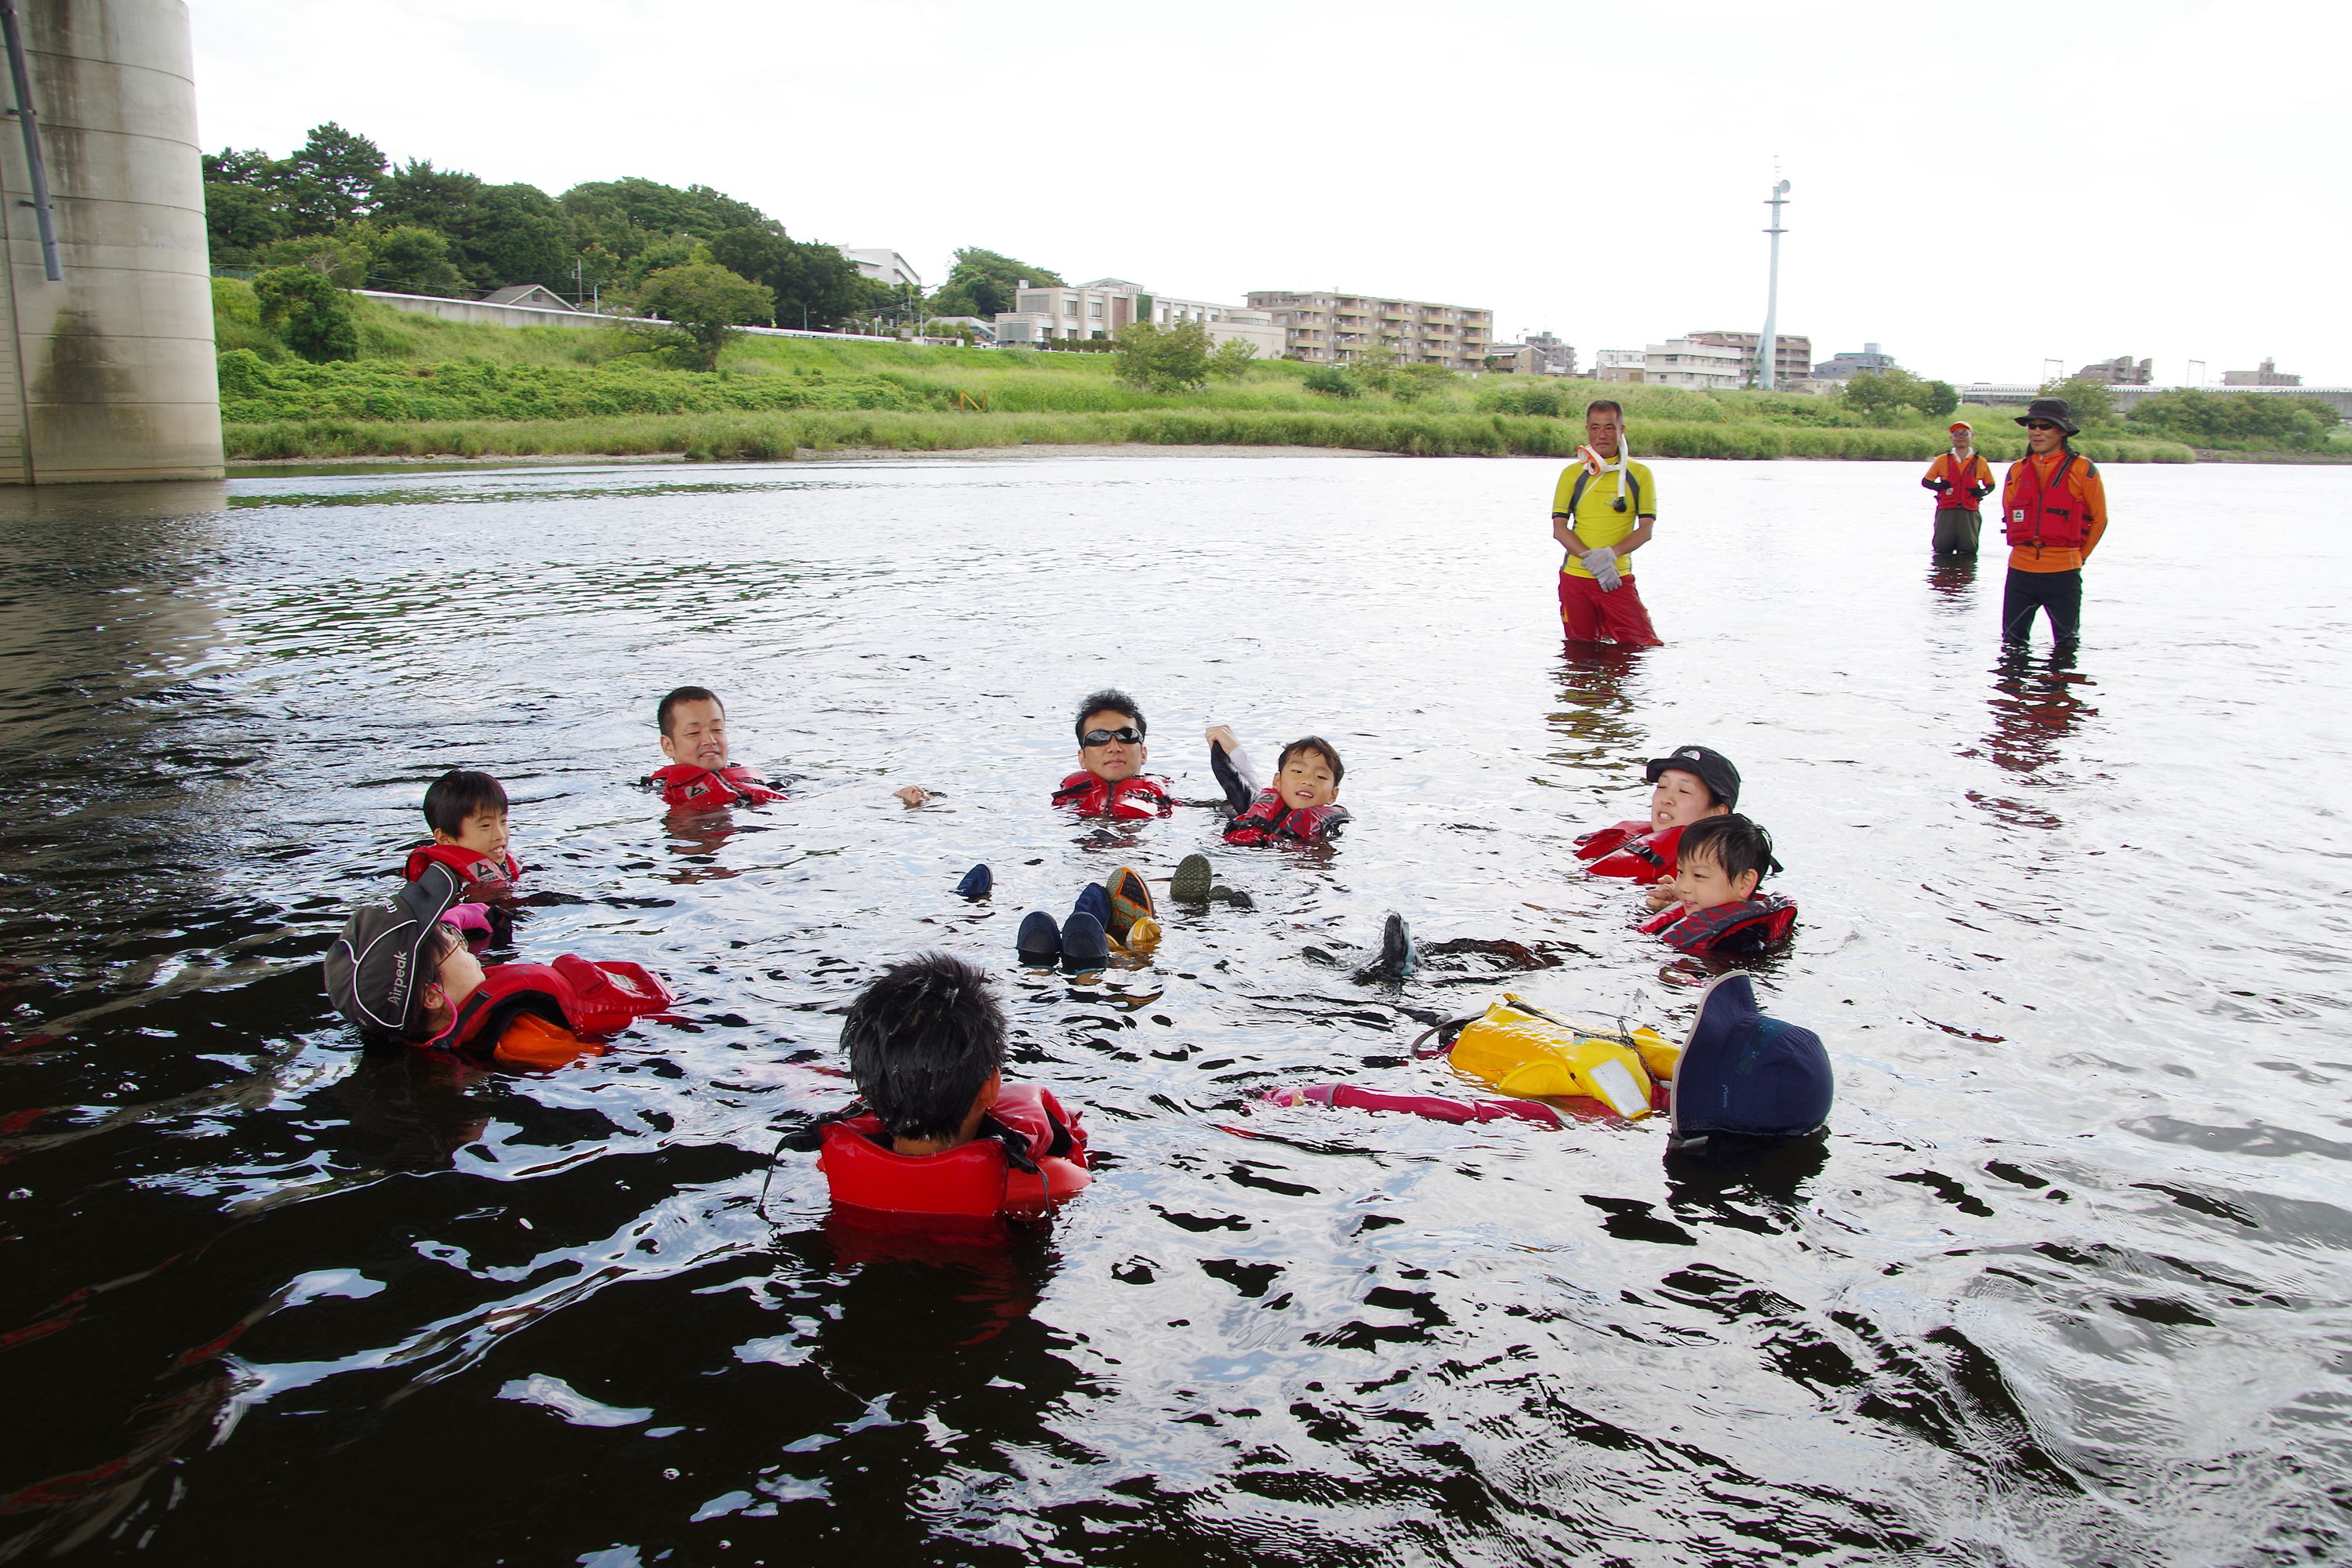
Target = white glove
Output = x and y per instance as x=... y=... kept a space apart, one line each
x=1602 y=562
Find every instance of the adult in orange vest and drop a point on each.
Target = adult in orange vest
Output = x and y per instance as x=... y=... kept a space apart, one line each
x=2054 y=509
x=1960 y=479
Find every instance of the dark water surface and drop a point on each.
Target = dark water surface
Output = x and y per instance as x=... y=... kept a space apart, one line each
x=2067 y=1284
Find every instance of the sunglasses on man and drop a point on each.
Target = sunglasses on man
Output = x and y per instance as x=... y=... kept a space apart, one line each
x=1125 y=737
x=2039 y=425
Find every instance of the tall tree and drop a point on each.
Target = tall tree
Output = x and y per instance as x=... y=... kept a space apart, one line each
x=333 y=177
x=815 y=285
x=704 y=304
x=983 y=282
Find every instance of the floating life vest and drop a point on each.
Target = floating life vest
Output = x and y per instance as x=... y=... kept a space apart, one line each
x=480 y=878
x=1434 y=1106
x=1030 y=1155
x=1732 y=929
x=1642 y=856
x=1268 y=821
x=2051 y=517
x=1521 y=1051
x=1130 y=798
x=531 y=1014
x=702 y=789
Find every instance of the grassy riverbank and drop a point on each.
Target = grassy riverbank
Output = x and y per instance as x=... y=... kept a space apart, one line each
x=425 y=387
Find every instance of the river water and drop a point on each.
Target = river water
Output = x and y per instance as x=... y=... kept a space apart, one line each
x=2066 y=1283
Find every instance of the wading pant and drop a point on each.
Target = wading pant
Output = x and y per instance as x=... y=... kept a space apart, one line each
x=2060 y=592
x=1956 y=531
x=1587 y=613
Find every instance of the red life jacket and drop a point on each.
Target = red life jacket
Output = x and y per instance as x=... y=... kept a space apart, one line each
x=572 y=992
x=980 y=1180
x=1131 y=799
x=2032 y=515
x=700 y=789
x=1268 y=821
x=1592 y=846
x=1964 y=488
x=480 y=880
x=1647 y=858
x=1762 y=921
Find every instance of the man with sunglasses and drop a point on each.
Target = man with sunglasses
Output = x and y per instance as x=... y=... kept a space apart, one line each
x=2054 y=509
x=1111 y=753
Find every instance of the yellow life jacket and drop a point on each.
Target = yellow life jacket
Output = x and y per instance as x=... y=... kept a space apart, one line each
x=1521 y=1051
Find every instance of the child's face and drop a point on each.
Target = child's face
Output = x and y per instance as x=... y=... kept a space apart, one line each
x=484 y=833
x=1305 y=782
x=698 y=735
x=457 y=978
x=1679 y=800
x=1114 y=758
x=1700 y=884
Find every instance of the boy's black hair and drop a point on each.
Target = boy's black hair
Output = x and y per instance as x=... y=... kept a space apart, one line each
x=1321 y=748
x=1610 y=404
x=458 y=795
x=685 y=694
x=1110 y=700
x=1732 y=842
x=923 y=1040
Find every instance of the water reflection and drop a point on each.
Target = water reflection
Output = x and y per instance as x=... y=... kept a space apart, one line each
x=1952 y=579
x=1594 y=724
x=2035 y=705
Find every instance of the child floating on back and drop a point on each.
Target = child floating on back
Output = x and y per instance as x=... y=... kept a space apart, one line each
x=943 y=1134
x=1301 y=806
x=1110 y=781
x=1717 y=912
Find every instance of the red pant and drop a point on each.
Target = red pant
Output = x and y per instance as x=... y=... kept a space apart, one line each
x=1588 y=612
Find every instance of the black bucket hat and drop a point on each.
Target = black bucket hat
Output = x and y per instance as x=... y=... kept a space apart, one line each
x=1741 y=1072
x=2054 y=410
x=375 y=966
x=1711 y=767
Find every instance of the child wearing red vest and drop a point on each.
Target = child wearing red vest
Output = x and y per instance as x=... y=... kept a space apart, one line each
x=942 y=1135
x=700 y=777
x=1717 y=912
x=467 y=813
x=1301 y=806
x=1687 y=785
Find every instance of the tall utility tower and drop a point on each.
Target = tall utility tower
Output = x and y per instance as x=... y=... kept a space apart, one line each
x=1768 y=351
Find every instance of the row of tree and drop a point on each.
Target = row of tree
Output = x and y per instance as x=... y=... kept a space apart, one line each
x=336 y=206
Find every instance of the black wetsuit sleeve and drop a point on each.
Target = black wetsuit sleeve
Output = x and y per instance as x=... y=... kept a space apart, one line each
x=1238 y=794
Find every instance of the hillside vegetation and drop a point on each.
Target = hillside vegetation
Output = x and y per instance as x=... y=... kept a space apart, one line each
x=422 y=386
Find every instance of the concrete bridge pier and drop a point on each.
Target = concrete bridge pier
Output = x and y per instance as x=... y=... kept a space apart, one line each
x=106 y=369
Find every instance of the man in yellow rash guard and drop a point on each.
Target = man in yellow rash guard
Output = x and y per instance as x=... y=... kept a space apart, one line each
x=1614 y=516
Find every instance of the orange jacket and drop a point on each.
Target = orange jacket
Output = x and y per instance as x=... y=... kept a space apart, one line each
x=2089 y=492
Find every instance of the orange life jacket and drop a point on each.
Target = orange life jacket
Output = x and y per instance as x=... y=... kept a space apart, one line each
x=573 y=994
x=2050 y=518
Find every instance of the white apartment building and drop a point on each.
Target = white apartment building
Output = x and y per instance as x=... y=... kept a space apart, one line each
x=1334 y=328
x=882 y=265
x=1618 y=364
x=1681 y=361
x=1101 y=308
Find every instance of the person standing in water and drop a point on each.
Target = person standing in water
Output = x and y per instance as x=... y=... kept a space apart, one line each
x=1604 y=507
x=1960 y=478
x=2053 y=510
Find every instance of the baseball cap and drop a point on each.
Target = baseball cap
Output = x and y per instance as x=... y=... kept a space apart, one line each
x=376 y=964
x=1711 y=767
x=1959 y=425
x=1744 y=1073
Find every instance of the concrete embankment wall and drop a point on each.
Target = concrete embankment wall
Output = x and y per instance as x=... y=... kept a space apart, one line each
x=107 y=373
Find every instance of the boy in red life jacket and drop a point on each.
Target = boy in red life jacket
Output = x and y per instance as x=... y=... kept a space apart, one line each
x=701 y=777
x=943 y=1135
x=467 y=813
x=1686 y=784
x=1301 y=806
x=1110 y=781
x=1717 y=912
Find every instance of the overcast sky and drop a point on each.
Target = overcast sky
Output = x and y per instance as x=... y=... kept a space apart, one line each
x=1978 y=189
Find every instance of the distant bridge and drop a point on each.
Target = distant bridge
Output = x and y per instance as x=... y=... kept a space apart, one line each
x=2339 y=398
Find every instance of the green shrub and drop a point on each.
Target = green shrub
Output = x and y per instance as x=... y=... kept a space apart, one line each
x=1331 y=381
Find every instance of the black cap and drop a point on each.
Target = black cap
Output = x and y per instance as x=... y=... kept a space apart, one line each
x=373 y=969
x=2054 y=410
x=1711 y=767
x=1744 y=1073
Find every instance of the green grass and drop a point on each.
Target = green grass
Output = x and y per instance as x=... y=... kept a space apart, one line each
x=424 y=387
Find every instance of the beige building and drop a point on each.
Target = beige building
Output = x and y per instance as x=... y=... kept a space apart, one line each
x=1792 y=357
x=1101 y=308
x=1618 y=364
x=1334 y=327
x=1680 y=361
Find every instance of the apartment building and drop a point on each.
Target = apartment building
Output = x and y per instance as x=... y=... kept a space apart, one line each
x=1679 y=362
x=882 y=265
x=1618 y=364
x=1334 y=328
x=1792 y=357
x=1103 y=308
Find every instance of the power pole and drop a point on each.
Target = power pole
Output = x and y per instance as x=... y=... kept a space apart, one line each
x=1769 y=351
